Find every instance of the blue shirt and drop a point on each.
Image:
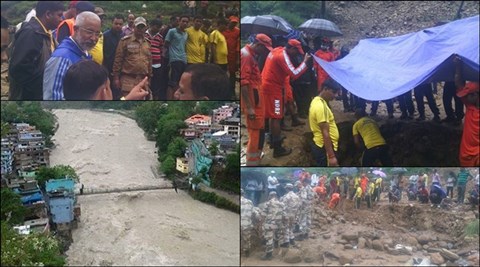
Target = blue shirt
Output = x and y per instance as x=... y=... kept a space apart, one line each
x=176 y=49
x=67 y=54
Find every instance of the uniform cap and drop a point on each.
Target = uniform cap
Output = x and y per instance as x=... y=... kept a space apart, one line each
x=272 y=172
x=140 y=20
x=265 y=40
x=297 y=45
x=233 y=19
x=272 y=193
x=99 y=11
x=84 y=6
x=470 y=87
x=289 y=185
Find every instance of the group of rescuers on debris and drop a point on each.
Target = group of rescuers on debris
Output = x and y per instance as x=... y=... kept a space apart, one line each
x=286 y=218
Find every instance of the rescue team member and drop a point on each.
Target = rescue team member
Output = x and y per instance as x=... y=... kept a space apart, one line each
x=65 y=28
x=325 y=54
x=252 y=96
x=323 y=126
x=334 y=201
x=376 y=147
x=133 y=59
x=277 y=67
x=468 y=93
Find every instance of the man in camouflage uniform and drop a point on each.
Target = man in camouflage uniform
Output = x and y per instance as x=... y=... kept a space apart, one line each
x=273 y=227
x=292 y=204
x=248 y=212
x=306 y=195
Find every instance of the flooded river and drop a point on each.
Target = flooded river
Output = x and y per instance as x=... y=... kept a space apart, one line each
x=147 y=228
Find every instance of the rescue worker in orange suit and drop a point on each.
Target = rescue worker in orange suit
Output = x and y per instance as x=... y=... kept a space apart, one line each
x=468 y=93
x=252 y=96
x=278 y=67
x=334 y=201
x=325 y=54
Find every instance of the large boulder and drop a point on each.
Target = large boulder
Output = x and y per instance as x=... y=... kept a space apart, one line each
x=310 y=255
x=350 y=237
x=447 y=254
x=436 y=258
x=411 y=241
x=377 y=245
x=424 y=239
x=361 y=242
x=345 y=259
x=293 y=256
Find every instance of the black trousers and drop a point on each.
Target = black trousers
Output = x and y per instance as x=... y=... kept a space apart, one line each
x=388 y=103
x=449 y=92
x=379 y=152
x=348 y=100
x=303 y=93
x=320 y=155
x=425 y=90
x=406 y=103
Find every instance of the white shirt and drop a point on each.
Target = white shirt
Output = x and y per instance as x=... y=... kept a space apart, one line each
x=272 y=182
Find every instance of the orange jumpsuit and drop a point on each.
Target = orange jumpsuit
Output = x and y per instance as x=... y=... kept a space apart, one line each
x=334 y=201
x=322 y=75
x=278 y=67
x=470 y=144
x=250 y=76
x=233 y=45
x=363 y=185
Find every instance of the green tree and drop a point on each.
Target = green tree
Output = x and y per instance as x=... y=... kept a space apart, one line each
x=232 y=168
x=29 y=250
x=206 y=107
x=12 y=209
x=148 y=114
x=5 y=128
x=168 y=127
x=168 y=166
x=213 y=148
x=177 y=147
x=56 y=172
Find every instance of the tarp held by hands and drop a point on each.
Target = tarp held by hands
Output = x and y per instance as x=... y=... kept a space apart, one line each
x=383 y=68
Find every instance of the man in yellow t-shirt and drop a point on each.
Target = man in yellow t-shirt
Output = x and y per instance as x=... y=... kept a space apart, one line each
x=357 y=198
x=97 y=50
x=322 y=123
x=376 y=147
x=218 y=45
x=378 y=189
x=196 y=42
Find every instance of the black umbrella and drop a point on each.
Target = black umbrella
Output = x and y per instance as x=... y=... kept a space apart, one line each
x=267 y=24
x=320 y=27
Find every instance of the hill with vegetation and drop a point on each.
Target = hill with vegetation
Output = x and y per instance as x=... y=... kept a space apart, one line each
x=366 y=19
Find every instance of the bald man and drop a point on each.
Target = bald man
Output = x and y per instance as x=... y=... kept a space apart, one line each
x=73 y=49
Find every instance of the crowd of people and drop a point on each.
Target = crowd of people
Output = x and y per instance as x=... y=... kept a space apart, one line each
x=285 y=216
x=190 y=58
x=278 y=78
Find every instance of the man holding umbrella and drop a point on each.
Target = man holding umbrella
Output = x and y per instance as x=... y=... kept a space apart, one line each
x=252 y=96
x=278 y=67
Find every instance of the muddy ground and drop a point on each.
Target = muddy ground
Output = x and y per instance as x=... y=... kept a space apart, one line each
x=411 y=143
x=403 y=234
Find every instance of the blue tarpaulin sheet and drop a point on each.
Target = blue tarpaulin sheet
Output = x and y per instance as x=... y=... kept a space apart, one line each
x=383 y=68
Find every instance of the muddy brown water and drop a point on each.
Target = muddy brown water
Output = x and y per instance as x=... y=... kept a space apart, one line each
x=146 y=228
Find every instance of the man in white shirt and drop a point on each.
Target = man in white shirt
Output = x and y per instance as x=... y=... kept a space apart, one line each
x=272 y=182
